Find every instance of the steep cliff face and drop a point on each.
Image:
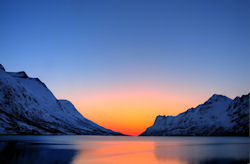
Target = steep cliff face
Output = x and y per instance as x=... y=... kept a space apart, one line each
x=219 y=115
x=27 y=106
x=238 y=111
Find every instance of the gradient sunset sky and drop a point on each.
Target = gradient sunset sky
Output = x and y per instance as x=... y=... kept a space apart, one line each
x=123 y=62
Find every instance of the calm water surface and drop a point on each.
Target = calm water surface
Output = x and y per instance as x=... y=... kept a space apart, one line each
x=107 y=149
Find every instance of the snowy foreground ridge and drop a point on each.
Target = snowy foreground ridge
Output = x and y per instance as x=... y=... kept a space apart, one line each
x=27 y=106
x=218 y=116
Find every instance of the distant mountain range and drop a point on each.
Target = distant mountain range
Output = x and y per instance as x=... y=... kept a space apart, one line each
x=27 y=106
x=218 y=116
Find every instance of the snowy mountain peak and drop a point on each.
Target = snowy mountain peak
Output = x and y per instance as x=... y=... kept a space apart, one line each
x=21 y=74
x=217 y=97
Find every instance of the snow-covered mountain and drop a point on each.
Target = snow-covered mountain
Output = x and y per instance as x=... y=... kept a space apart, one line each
x=27 y=106
x=218 y=116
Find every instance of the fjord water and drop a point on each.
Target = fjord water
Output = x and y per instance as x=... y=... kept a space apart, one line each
x=123 y=149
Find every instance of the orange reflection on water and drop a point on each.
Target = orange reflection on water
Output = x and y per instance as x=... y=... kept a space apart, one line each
x=120 y=152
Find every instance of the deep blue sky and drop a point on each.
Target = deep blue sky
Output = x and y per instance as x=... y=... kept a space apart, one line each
x=200 y=45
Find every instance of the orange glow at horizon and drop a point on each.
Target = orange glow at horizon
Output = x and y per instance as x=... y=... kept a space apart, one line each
x=130 y=110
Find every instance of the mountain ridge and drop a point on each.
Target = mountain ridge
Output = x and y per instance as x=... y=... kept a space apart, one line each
x=218 y=116
x=27 y=106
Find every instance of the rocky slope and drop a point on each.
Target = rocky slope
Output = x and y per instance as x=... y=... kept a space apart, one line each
x=218 y=116
x=28 y=107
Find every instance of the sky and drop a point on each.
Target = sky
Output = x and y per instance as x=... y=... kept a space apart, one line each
x=123 y=62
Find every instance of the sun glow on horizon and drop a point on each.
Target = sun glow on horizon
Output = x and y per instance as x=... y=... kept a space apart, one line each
x=130 y=110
